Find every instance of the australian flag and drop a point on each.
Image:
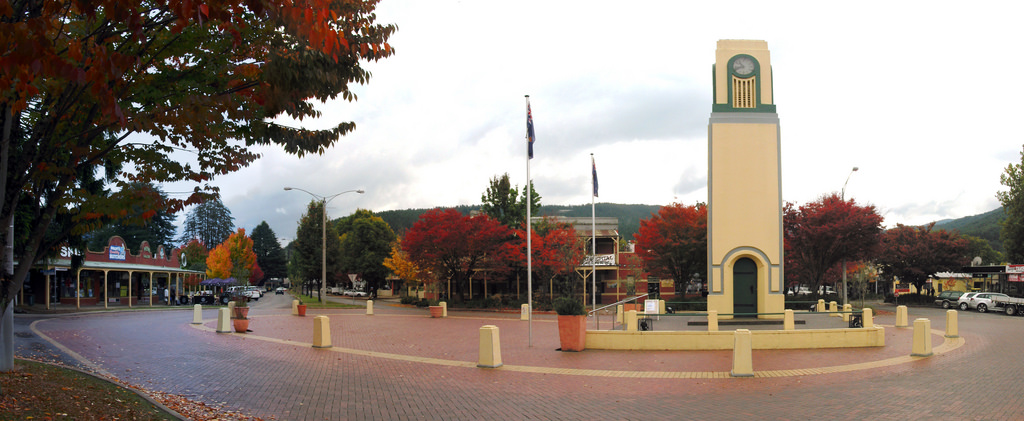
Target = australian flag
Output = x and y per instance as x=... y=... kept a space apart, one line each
x=529 y=130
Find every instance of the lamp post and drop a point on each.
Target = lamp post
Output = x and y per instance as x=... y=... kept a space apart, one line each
x=323 y=243
x=842 y=195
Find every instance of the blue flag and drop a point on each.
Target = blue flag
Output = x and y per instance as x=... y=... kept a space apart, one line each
x=529 y=130
x=595 y=174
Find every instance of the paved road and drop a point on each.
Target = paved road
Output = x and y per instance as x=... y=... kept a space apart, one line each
x=401 y=364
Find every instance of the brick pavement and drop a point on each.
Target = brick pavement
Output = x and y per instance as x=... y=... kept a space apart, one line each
x=392 y=366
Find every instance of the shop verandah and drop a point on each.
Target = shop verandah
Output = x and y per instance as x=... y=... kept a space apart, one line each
x=112 y=277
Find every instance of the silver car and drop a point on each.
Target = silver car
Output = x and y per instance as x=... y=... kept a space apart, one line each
x=983 y=301
x=961 y=302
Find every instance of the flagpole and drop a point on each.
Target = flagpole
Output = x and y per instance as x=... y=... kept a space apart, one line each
x=593 y=241
x=529 y=222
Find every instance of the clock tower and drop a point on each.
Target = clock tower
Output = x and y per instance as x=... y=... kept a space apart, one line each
x=745 y=242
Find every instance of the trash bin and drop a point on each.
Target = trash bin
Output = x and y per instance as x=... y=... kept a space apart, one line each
x=856 y=320
x=645 y=323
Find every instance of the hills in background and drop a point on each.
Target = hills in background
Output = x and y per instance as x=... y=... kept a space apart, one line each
x=985 y=226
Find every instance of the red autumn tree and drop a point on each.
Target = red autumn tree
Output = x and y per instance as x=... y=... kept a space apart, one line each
x=914 y=253
x=674 y=243
x=452 y=245
x=115 y=88
x=556 y=252
x=820 y=234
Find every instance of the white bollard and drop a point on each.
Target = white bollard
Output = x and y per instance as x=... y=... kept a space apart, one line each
x=321 y=332
x=369 y=307
x=901 y=316
x=490 y=347
x=922 y=338
x=223 y=320
x=197 y=314
x=524 y=312
x=742 y=361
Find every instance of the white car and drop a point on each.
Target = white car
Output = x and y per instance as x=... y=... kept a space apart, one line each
x=354 y=293
x=983 y=301
x=961 y=302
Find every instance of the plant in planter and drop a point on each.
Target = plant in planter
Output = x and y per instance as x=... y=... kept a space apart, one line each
x=241 y=309
x=301 y=308
x=572 y=323
x=240 y=318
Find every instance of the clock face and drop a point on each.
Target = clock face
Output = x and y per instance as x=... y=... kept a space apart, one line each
x=743 y=65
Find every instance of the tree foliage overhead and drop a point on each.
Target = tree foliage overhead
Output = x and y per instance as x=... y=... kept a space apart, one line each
x=269 y=254
x=210 y=222
x=80 y=81
x=674 y=243
x=821 y=234
x=914 y=253
x=1012 y=199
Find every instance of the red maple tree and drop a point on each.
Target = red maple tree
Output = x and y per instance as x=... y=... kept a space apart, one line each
x=820 y=234
x=556 y=251
x=914 y=253
x=453 y=246
x=674 y=243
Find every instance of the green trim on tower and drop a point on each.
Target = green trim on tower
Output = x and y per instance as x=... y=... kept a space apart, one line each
x=730 y=71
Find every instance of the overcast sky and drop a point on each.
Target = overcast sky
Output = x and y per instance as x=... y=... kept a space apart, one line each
x=925 y=99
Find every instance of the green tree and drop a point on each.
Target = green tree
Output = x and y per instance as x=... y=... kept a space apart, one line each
x=269 y=254
x=980 y=247
x=210 y=222
x=135 y=228
x=505 y=204
x=307 y=254
x=194 y=255
x=1012 y=199
x=365 y=244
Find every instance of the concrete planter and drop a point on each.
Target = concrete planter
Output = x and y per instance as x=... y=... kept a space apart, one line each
x=301 y=309
x=436 y=311
x=572 y=332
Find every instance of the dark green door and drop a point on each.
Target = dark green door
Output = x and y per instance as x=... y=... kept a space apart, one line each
x=744 y=280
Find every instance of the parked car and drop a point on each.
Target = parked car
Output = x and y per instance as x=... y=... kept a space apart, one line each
x=799 y=291
x=961 y=302
x=947 y=299
x=983 y=301
x=355 y=293
x=280 y=290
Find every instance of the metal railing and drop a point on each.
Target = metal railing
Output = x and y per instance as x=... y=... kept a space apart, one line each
x=596 y=313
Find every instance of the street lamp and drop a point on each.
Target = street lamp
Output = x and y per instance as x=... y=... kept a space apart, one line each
x=323 y=244
x=842 y=195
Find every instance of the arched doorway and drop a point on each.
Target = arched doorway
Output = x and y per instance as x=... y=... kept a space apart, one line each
x=744 y=281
